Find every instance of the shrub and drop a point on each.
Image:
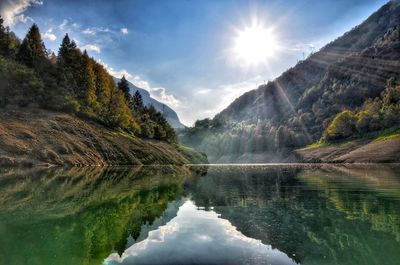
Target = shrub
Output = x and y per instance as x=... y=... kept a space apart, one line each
x=342 y=126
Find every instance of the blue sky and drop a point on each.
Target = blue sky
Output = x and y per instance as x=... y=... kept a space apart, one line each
x=181 y=51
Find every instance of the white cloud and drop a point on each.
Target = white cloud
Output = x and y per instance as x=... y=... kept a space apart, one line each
x=63 y=24
x=93 y=31
x=161 y=94
x=12 y=11
x=49 y=35
x=124 y=31
x=158 y=93
x=89 y=31
x=91 y=47
x=119 y=73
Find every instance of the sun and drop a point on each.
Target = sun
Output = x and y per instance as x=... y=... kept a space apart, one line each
x=255 y=44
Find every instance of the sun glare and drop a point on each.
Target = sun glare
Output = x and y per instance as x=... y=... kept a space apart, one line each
x=255 y=44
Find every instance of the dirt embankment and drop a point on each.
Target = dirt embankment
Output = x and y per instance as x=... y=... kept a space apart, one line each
x=38 y=137
x=361 y=151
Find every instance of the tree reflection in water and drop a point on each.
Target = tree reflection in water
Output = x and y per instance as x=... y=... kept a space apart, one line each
x=309 y=215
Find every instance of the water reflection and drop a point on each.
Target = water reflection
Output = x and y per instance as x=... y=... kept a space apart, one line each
x=197 y=236
x=318 y=215
x=215 y=215
x=79 y=216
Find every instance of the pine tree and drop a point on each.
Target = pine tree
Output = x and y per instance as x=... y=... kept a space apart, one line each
x=138 y=105
x=32 y=52
x=123 y=85
x=88 y=88
x=70 y=62
x=67 y=51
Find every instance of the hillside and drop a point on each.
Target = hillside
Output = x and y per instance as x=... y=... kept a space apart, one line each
x=37 y=137
x=380 y=150
x=296 y=108
x=66 y=109
x=169 y=114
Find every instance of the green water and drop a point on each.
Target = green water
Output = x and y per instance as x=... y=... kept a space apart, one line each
x=201 y=215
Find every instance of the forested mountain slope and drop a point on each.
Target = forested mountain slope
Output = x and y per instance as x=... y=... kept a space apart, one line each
x=66 y=109
x=296 y=108
x=168 y=113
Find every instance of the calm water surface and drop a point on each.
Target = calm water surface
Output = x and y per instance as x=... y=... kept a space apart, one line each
x=265 y=214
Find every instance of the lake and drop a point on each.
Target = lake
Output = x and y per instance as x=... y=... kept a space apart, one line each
x=237 y=214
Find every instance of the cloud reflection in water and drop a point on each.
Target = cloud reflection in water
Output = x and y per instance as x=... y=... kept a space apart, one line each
x=197 y=236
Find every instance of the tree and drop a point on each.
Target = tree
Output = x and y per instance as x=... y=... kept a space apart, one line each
x=104 y=84
x=123 y=85
x=89 y=84
x=342 y=126
x=66 y=51
x=32 y=51
x=71 y=64
x=9 y=42
x=147 y=126
x=137 y=102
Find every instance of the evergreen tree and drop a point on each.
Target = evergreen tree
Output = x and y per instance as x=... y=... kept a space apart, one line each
x=88 y=88
x=138 y=105
x=32 y=51
x=72 y=82
x=67 y=54
x=70 y=62
x=104 y=83
x=9 y=42
x=123 y=85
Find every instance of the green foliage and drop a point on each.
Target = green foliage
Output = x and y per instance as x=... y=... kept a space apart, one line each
x=381 y=113
x=218 y=138
x=89 y=84
x=32 y=51
x=304 y=100
x=90 y=213
x=154 y=125
x=123 y=85
x=137 y=102
x=19 y=85
x=118 y=112
x=342 y=126
x=72 y=82
x=9 y=43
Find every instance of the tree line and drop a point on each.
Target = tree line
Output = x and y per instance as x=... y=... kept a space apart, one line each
x=72 y=82
x=376 y=114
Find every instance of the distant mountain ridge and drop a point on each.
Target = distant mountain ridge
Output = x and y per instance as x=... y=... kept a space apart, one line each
x=298 y=82
x=295 y=109
x=168 y=113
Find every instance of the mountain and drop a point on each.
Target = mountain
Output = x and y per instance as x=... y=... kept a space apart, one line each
x=297 y=107
x=167 y=112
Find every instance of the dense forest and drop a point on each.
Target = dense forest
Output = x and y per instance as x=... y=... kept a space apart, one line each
x=72 y=82
x=348 y=89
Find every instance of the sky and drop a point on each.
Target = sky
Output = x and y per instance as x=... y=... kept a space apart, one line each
x=184 y=52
